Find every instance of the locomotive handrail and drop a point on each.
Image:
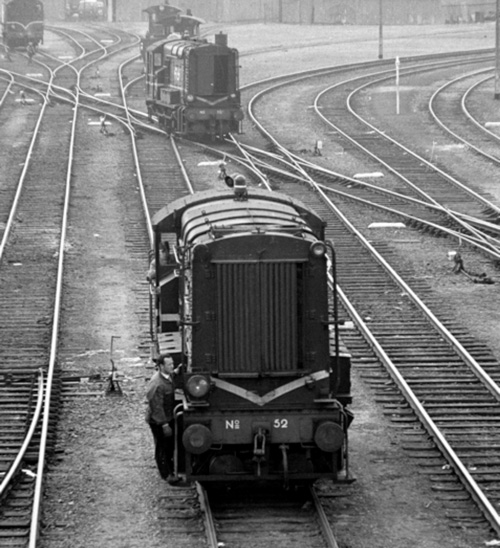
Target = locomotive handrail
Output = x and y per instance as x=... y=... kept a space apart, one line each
x=333 y=266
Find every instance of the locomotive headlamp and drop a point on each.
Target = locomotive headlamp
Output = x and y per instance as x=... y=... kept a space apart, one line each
x=197 y=439
x=198 y=386
x=318 y=249
x=190 y=98
x=329 y=436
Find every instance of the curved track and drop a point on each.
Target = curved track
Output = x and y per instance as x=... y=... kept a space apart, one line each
x=34 y=221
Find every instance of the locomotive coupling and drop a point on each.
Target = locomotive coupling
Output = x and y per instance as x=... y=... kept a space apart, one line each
x=259 y=445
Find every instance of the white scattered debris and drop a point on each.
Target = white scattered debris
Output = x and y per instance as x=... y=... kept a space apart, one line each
x=492 y=542
x=387 y=225
x=344 y=326
x=453 y=146
x=29 y=473
x=212 y=163
x=451 y=255
x=375 y=174
x=492 y=124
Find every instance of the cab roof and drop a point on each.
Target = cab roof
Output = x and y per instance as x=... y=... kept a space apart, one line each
x=215 y=213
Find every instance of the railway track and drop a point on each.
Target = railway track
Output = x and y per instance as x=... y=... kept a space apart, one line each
x=163 y=178
x=157 y=195
x=33 y=246
x=423 y=176
x=441 y=371
x=446 y=377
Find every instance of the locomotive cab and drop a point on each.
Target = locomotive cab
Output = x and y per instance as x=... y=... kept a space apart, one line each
x=266 y=380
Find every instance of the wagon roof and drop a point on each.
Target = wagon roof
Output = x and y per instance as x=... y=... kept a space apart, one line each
x=177 y=46
x=220 y=210
x=169 y=10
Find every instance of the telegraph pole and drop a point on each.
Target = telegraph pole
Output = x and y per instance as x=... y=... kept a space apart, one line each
x=380 y=28
x=497 y=53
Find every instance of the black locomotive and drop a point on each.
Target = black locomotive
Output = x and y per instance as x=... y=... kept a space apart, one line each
x=22 y=23
x=241 y=300
x=192 y=86
x=168 y=21
x=86 y=10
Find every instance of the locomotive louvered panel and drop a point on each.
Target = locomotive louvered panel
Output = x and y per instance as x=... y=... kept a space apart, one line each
x=257 y=334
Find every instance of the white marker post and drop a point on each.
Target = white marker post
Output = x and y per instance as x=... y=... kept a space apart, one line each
x=397 y=85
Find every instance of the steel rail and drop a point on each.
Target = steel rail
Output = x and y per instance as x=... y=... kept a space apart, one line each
x=20 y=185
x=142 y=191
x=38 y=491
x=135 y=153
x=454 y=181
x=323 y=520
x=470 y=484
x=283 y=78
x=27 y=439
x=255 y=165
x=492 y=249
x=468 y=481
x=7 y=91
x=431 y=104
x=381 y=75
x=466 y=111
x=432 y=166
x=207 y=516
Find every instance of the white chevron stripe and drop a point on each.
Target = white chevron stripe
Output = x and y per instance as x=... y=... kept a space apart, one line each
x=212 y=103
x=274 y=394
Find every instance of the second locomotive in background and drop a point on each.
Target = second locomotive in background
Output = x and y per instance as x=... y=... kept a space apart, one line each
x=192 y=86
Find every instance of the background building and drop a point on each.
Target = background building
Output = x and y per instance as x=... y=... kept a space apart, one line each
x=307 y=12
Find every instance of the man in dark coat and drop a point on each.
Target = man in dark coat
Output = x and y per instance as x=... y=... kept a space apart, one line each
x=160 y=415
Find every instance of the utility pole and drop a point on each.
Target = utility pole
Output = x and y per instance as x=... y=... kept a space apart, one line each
x=497 y=53
x=380 y=28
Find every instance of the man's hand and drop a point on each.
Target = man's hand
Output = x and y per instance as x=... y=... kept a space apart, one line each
x=167 y=431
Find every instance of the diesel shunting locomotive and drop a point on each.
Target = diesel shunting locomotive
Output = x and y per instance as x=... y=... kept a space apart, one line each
x=241 y=300
x=22 y=23
x=168 y=21
x=192 y=86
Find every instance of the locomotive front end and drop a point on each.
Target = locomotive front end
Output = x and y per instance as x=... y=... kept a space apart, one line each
x=192 y=87
x=265 y=388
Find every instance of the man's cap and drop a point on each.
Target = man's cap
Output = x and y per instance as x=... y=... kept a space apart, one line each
x=161 y=358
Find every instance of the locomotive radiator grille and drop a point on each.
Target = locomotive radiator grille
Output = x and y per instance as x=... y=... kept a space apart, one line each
x=258 y=334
